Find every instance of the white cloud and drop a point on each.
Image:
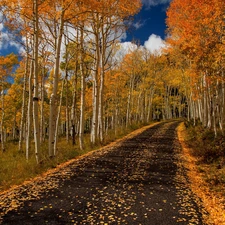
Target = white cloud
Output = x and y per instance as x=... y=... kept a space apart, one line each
x=123 y=49
x=18 y=46
x=154 y=44
x=1 y=27
x=127 y=47
x=123 y=36
x=138 y=25
x=155 y=2
x=7 y=41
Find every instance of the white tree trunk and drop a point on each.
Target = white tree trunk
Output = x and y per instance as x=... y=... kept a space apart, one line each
x=42 y=124
x=53 y=99
x=58 y=118
x=73 y=113
x=29 y=111
x=35 y=94
x=95 y=91
x=23 y=104
x=82 y=99
x=67 y=110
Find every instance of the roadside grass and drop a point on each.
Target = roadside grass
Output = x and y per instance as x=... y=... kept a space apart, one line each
x=210 y=154
x=205 y=174
x=15 y=169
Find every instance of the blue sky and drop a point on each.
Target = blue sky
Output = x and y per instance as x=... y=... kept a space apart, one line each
x=149 y=26
x=150 y=20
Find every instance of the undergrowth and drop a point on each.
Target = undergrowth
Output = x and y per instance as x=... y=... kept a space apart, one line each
x=15 y=169
x=210 y=154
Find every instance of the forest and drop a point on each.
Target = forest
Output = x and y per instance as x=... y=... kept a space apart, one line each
x=72 y=83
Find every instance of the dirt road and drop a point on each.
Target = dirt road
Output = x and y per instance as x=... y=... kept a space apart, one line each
x=139 y=181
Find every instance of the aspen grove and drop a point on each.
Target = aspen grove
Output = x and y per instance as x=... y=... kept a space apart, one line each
x=70 y=81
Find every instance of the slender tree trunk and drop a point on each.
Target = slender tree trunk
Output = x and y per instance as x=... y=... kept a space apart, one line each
x=14 y=130
x=205 y=108
x=116 y=112
x=102 y=52
x=67 y=109
x=100 y=110
x=2 y=117
x=53 y=99
x=74 y=102
x=42 y=124
x=58 y=119
x=95 y=109
x=23 y=104
x=35 y=94
x=145 y=106
x=67 y=90
x=95 y=91
x=29 y=111
x=209 y=123
x=222 y=105
x=129 y=102
x=149 y=113
x=73 y=116
x=81 y=132
x=82 y=100
x=214 y=116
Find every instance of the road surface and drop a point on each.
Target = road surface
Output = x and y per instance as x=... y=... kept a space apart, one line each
x=138 y=181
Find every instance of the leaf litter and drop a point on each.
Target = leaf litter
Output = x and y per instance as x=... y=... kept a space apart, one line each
x=135 y=181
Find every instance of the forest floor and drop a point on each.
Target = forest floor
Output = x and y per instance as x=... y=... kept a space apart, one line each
x=141 y=179
x=204 y=158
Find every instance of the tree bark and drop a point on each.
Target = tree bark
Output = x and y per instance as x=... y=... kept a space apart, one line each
x=35 y=94
x=2 y=117
x=29 y=111
x=82 y=99
x=53 y=99
x=58 y=118
x=23 y=104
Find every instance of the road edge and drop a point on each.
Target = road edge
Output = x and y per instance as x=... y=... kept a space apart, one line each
x=210 y=201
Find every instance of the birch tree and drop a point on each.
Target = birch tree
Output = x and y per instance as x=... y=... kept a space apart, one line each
x=53 y=99
x=200 y=38
x=106 y=24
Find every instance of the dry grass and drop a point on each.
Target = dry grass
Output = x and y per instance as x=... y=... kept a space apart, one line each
x=201 y=175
